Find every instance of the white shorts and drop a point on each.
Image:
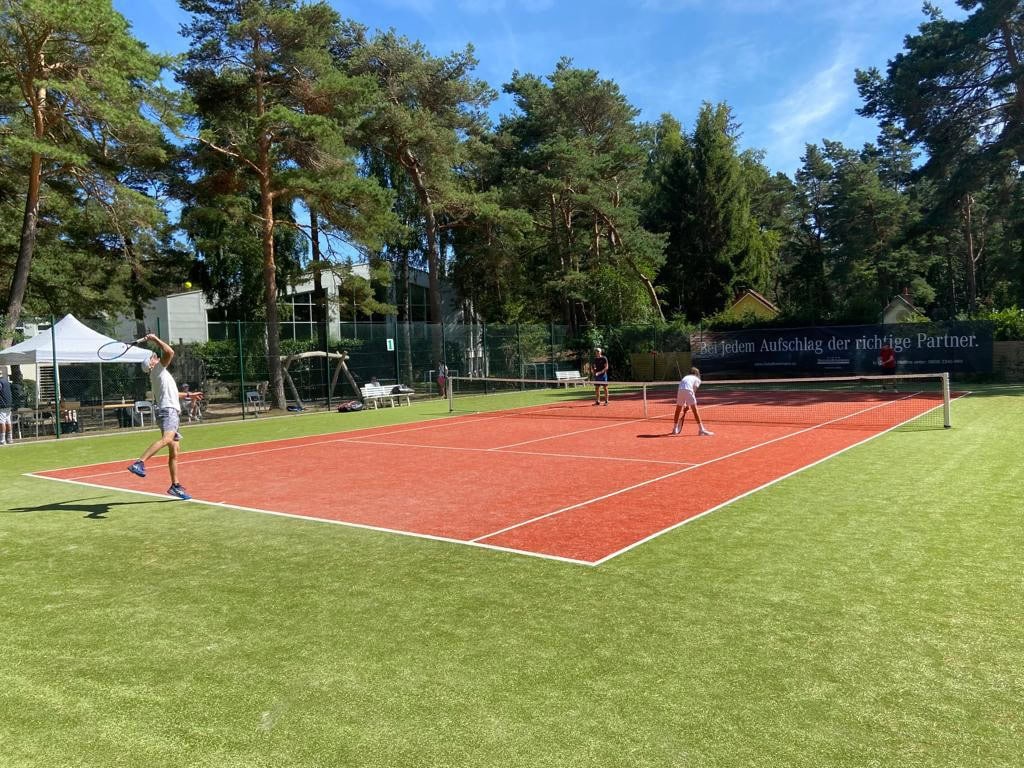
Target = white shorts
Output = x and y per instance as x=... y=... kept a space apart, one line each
x=5 y=416
x=685 y=397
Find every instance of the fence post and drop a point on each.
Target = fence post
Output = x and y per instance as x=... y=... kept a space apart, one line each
x=519 y=357
x=486 y=362
x=241 y=370
x=327 y=362
x=444 y=349
x=56 y=380
x=551 y=348
x=398 y=361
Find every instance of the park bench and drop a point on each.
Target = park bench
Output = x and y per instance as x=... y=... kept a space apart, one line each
x=570 y=377
x=383 y=393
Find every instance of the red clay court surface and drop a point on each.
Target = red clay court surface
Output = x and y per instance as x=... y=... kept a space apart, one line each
x=583 y=487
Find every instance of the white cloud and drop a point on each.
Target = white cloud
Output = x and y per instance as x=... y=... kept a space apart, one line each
x=810 y=111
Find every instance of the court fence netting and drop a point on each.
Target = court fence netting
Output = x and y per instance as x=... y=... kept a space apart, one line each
x=920 y=401
x=228 y=374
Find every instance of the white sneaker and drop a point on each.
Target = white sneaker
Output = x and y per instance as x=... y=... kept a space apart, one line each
x=677 y=429
x=706 y=433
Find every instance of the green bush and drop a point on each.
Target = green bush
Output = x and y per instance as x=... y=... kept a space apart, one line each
x=1007 y=324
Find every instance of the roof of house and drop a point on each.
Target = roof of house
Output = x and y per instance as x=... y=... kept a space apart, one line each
x=900 y=299
x=757 y=296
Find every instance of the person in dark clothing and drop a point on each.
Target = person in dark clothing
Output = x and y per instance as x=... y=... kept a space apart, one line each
x=6 y=408
x=600 y=376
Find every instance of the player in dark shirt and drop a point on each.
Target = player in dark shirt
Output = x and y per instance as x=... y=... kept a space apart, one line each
x=600 y=376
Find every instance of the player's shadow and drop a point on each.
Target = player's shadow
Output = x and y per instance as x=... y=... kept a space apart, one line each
x=660 y=434
x=94 y=511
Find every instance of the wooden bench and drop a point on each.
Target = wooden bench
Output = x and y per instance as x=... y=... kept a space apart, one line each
x=570 y=377
x=382 y=393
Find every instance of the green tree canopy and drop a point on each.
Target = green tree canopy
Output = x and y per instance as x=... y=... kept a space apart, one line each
x=74 y=90
x=267 y=95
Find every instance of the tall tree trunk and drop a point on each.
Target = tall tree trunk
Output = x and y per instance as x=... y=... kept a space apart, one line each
x=26 y=247
x=405 y=311
x=970 y=260
x=1017 y=107
x=433 y=254
x=270 y=283
x=319 y=296
x=29 y=227
x=269 y=264
x=135 y=288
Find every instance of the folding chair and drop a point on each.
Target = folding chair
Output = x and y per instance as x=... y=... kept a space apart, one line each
x=142 y=407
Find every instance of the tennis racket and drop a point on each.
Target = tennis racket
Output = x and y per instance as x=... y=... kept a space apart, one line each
x=113 y=350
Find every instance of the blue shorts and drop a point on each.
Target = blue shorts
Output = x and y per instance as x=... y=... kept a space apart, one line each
x=168 y=419
x=601 y=377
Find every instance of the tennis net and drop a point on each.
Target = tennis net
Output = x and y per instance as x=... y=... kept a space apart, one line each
x=859 y=402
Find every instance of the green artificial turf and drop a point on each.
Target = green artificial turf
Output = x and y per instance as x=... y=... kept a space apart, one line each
x=865 y=612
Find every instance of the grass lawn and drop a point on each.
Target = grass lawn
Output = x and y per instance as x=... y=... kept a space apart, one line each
x=866 y=612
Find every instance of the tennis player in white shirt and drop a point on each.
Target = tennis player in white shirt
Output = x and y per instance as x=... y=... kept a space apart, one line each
x=686 y=399
x=168 y=414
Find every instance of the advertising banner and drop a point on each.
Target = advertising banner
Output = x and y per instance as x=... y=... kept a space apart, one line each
x=956 y=347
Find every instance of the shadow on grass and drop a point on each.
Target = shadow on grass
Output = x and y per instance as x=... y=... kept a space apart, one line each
x=94 y=511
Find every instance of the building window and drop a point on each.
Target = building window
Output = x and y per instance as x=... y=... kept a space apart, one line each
x=297 y=317
x=419 y=310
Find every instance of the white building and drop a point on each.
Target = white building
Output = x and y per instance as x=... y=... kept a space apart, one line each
x=188 y=317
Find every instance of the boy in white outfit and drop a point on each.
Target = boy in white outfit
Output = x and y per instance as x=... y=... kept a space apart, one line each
x=686 y=400
x=168 y=415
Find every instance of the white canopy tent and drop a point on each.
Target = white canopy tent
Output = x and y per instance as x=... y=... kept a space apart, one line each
x=68 y=341
x=75 y=343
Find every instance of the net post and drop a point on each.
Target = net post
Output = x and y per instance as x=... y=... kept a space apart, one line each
x=450 y=394
x=946 y=416
x=645 y=399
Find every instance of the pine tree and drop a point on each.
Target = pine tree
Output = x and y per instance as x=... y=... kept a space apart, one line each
x=268 y=96
x=957 y=92
x=430 y=113
x=75 y=87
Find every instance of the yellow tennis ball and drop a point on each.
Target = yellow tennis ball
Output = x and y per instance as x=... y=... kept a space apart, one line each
x=187 y=285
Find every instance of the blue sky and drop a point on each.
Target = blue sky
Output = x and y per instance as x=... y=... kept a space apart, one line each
x=786 y=67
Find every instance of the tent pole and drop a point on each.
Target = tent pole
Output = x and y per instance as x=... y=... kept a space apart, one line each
x=103 y=411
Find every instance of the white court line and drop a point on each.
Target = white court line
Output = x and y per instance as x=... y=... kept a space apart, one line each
x=656 y=534
x=365 y=527
x=566 y=434
x=439 y=421
x=691 y=468
x=477 y=542
x=305 y=444
x=364 y=441
x=594 y=429
x=521 y=453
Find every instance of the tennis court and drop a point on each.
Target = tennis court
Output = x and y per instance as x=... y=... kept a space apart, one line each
x=555 y=478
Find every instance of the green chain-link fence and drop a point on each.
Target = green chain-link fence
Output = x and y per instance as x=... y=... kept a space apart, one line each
x=228 y=377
